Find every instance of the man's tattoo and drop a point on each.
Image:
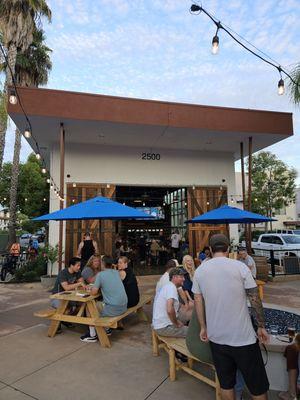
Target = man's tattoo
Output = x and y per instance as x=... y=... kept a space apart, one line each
x=256 y=305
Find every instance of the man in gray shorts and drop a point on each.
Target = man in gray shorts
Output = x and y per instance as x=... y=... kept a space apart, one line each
x=166 y=319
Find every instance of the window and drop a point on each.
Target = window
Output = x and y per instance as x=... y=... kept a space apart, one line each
x=292 y=239
x=266 y=239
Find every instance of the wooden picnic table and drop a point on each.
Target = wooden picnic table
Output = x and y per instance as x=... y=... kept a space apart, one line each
x=87 y=314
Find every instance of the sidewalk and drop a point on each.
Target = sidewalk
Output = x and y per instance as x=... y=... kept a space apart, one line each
x=34 y=366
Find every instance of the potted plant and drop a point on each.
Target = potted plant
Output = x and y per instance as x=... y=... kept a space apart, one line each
x=51 y=254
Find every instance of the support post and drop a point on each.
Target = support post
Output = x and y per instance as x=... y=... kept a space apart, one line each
x=61 y=190
x=249 y=236
x=243 y=175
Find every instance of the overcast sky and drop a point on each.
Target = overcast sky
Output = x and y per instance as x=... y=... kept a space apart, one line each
x=156 y=49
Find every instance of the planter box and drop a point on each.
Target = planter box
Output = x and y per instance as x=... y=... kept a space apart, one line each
x=48 y=281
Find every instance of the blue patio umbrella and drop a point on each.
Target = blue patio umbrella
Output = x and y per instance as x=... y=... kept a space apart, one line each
x=229 y=215
x=96 y=208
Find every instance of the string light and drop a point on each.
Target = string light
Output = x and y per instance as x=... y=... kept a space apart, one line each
x=51 y=186
x=44 y=170
x=48 y=180
x=197 y=9
x=193 y=187
x=144 y=204
x=108 y=186
x=38 y=156
x=207 y=203
x=13 y=97
x=74 y=184
x=27 y=133
x=44 y=199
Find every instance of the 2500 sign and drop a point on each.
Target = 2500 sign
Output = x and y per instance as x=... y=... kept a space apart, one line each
x=151 y=156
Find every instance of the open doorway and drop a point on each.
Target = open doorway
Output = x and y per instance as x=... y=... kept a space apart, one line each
x=148 y=242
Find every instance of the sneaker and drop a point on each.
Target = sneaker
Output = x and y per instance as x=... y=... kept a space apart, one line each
x=180 y=357
x=67 y=324
x=88 y=338
x=108 y=331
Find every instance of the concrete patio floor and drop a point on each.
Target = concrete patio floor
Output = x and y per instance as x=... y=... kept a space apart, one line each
x=37 y=367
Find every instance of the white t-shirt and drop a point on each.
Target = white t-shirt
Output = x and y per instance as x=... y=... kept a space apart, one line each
x=250 y=264
x=160 y=315
x=222 y=283
x=163 y=280
x=175 y=239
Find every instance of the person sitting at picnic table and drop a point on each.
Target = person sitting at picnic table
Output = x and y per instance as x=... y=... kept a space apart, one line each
x=91 y=269
x=68 y=279
x=169 y=318
x=205 y=254
x=247 y=260
x=114 y=296
x=189 y=268
x=129 y=282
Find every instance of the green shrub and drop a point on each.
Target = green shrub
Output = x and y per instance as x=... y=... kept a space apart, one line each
x=32 y=270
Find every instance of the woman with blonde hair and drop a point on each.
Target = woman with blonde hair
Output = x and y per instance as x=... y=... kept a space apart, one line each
x=189 y=267
x=91 y=269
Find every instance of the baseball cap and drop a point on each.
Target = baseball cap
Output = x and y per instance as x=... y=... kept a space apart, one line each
x=219 y=240
x=176 y=271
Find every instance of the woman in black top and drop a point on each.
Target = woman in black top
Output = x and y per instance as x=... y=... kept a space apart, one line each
x=87 y=248
x=129 y=282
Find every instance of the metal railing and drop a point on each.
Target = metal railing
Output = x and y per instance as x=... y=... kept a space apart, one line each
x=282 y=262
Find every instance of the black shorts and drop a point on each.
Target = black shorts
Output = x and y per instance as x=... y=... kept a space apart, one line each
x=248 y=359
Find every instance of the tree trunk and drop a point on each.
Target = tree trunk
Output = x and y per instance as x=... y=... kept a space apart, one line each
x=14 y=190
x=11 y=58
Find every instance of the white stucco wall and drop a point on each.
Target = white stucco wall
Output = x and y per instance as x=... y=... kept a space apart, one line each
x=125 y=166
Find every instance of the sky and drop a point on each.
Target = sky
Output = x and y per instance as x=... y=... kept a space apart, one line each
x=155 y=49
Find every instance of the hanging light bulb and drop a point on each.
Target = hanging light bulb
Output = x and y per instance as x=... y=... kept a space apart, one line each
x=185 y=203
x=38 y=156
x=44 y=170
x=164 y=203
x=215 y=44
x=207 y=203
x=73 y=200
x=193 y=187
x=281 y=87
x=13 y=97
x=124 y=204
x=27 y=133
x=4 y=198
x=144 y=204
x=44 y=199
x=74 y=184
x=48 y=180
x=51 y=186
x=255 y=199
x=108 y=186
x=26 y=199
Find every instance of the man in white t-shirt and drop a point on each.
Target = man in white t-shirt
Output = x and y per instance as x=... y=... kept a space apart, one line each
x=175 y=241
x=248 y=260
x=221 y=287
x=166 y=320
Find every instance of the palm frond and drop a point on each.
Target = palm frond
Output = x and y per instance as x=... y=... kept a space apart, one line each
x=295 y=87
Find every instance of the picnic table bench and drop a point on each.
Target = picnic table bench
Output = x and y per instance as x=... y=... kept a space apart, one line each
x=88 y=314
x=172 y=344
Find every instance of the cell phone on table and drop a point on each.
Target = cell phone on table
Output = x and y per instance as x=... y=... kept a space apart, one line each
x=85 y=295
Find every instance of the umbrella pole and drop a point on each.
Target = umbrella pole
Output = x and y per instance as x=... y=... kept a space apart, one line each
x=249 y=233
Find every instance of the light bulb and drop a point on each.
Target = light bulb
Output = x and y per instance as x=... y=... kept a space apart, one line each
x=281 y=87
x=38 y=156
x=45 y=199
x=74 y=184
x=207 y=203
x=73 y=200
x=108 y=186
x=13 y=97
x=124 y=203
x=44 y=170
x=27 y=133
x=144 y=204
x=193 y=187
x=215 y=44
x=48 y=180
x=51 y=186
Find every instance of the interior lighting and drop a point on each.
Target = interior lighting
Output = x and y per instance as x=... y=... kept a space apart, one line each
x=44 y=170
x=193 y=187
x=207 y=203
x=73 y=200
x=27 y=133
x=185 y=203
x=144 y=204
x=38 y=156
x=74 y=184
x=124 y=204
x=164 y=203
x=108 y=186
x=13 y=97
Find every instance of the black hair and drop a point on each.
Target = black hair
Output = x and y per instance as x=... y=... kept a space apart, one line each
x=107 y=261
x=74 y=260
x=205 y=248
x=170 y=264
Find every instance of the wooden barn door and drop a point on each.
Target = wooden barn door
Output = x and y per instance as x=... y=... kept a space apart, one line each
x=102 y=231
x=201 y=200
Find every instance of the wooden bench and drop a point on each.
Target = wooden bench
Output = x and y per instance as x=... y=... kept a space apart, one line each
x=91 y=317
x=170 y=345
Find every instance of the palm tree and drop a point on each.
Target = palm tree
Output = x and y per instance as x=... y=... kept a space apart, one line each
x=32 y=69
x=295 y=86
x=18 y=19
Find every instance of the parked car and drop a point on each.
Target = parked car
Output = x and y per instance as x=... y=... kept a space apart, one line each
x=281 y=244
x=24 y=239
x=39 y=235
x=289 y=231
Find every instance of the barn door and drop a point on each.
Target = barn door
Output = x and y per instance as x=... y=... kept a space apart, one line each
x=102 y=233
x=201 y=200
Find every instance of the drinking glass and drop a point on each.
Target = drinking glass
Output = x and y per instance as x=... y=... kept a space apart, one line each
x=274 y=330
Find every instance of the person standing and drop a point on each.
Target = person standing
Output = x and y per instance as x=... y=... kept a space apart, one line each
x=248 y=260
x=175 y=242
x=86 y=249
x=221 y=288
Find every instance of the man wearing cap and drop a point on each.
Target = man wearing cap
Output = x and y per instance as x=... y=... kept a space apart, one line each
x=221 y=287
x=167 y=319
